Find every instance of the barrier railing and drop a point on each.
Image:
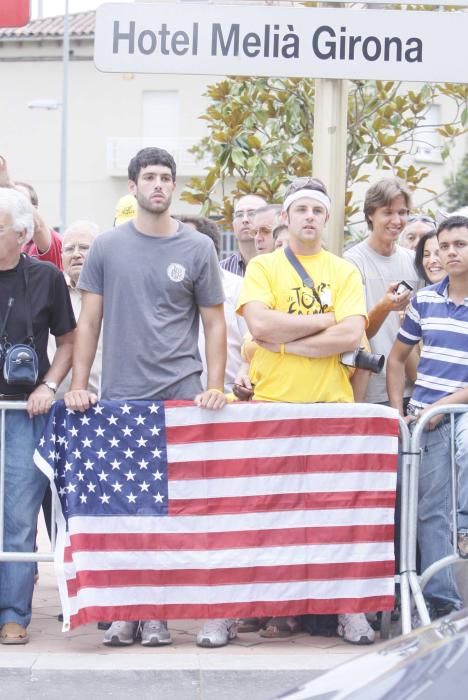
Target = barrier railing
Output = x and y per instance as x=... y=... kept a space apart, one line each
x=405 y=465
x=409 y=579
x=16 y=556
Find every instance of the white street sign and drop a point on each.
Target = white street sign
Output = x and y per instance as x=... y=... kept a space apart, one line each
x=282 y=41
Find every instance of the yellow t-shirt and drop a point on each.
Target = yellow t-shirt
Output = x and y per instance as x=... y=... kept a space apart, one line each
x=271 y=279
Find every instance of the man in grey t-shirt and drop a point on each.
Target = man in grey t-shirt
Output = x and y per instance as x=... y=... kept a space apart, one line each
x=148 y=282
x=383 y=264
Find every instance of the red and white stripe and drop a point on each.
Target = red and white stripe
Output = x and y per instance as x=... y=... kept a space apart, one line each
x=274 y=509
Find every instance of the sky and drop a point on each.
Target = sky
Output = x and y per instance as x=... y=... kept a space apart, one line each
x=57 y=7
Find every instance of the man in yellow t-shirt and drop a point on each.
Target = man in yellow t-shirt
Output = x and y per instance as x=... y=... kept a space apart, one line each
x=302 y=330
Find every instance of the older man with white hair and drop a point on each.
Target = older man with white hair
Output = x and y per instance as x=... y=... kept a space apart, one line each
x=34 y=301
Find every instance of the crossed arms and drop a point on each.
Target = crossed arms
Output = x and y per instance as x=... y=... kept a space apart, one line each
x=315 y=335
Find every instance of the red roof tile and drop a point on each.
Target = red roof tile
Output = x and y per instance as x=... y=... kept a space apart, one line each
x=81 y=25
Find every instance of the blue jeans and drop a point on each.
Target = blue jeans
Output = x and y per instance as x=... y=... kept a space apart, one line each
x=25 y=486
x=435 y=505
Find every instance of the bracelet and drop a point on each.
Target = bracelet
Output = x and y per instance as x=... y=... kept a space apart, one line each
x=217 y=391
x=282 y=348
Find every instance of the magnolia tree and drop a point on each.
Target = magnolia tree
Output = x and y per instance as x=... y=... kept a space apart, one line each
x=260 y=136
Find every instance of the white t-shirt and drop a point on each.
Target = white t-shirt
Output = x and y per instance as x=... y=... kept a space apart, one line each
x=96 y=369
x=378 y=272
x=236 y=329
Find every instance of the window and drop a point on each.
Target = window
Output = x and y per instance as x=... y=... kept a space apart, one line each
x=428 y=140
x=161 y=116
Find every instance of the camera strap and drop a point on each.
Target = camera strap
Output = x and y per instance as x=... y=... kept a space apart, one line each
x=3 y=335
x=29 y=326
x=11 y=301
x=307 y=280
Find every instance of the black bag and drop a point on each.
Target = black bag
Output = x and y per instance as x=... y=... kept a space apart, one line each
x=20 y=362
x=21 y=365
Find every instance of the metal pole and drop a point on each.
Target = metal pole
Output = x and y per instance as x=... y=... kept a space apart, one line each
x=2 y=474
x=405 y=439
x=329 y=160
x=64 y=135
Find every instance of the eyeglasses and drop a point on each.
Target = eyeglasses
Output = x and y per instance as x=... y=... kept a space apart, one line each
x=70 y=249
x=422 y=218
x=263 y=231
x=244 y=214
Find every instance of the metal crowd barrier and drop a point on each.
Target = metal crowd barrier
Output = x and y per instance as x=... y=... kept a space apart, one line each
x=16 y=556
x=409 y=579
x=404 y=485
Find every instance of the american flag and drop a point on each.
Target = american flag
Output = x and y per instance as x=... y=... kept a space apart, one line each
x=169 y=511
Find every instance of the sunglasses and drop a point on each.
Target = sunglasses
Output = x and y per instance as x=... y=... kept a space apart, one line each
x=304 y=183
x=422 y=218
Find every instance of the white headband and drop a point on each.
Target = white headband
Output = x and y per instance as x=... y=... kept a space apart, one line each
x=311 y=194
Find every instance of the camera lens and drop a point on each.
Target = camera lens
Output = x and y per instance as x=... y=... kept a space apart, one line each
x=370 y=361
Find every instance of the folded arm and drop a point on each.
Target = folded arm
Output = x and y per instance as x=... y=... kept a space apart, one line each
x=274 y=326
x=341 y=337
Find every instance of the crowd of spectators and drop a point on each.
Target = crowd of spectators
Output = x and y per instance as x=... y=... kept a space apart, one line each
x=270 y=322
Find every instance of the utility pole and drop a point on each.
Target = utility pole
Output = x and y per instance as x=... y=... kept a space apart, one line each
x=64 y=131
x=329 y=158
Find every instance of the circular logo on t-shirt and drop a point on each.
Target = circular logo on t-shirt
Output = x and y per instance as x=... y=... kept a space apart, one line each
x=176 y=272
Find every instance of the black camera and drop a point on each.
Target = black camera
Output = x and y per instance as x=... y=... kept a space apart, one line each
x=361 y=359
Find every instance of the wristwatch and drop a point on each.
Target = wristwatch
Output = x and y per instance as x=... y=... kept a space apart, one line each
x=51 y=385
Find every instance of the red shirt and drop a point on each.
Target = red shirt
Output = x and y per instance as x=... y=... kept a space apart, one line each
x=53 y=255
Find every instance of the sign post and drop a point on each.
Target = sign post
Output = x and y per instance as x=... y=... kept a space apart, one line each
x=329 y=156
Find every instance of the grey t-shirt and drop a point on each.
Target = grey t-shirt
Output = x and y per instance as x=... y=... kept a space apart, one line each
x=152 y=287
x=378 y=272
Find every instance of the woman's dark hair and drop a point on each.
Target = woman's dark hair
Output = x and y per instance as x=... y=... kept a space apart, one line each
x=419 y=255
x=206 y=226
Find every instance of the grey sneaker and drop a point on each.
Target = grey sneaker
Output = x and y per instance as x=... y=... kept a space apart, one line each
x=216 y=633
x=462 y=542
x=355 y=629
x=154 y=633
x=121 y=634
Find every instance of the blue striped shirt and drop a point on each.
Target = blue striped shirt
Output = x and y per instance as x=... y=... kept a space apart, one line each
x=441 y=326
x=235 y=264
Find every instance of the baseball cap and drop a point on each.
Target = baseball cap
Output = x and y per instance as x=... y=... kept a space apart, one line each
x=126 y=209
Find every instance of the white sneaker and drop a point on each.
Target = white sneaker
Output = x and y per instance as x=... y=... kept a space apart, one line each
x=355 y=629
x=121 y=634
x=154 y=633
x=216 y=633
